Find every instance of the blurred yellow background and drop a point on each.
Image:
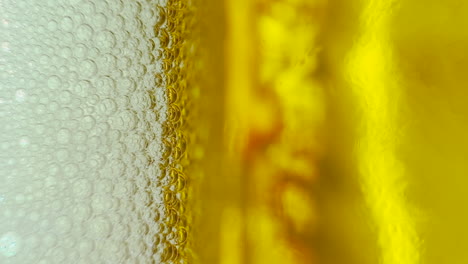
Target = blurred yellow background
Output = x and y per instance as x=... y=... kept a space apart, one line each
x=339 y=132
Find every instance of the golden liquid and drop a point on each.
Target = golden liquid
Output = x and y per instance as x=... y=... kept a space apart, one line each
x=332 y=132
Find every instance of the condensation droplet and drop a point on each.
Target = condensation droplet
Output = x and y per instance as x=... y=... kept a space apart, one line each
x=20 y=95
x=10 y=244
x=24 y=141
x=5 y=46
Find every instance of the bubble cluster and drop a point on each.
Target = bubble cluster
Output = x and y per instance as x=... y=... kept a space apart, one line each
x=175 y=43
x=93 y=148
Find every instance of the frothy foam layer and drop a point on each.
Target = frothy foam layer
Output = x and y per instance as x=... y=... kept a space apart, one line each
x=81 y=122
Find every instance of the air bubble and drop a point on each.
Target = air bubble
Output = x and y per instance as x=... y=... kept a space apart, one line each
x=107 y=107
x=105 y=39
x=88 y=8
x=86 y=246
x=125 y=86
x=63 y=224
x=50 y=240
x=88 y=68
x=105 y=85
x=67 y=23
x=82 y=188
x=65 y=97
x=54 y=82
x=100 y=20
x=100 y=227
x=84 y=32
x=104 y=186
x=84 y=88
x=52 y=25
x=82 y=211
x=80 y=137
x=141 y=100
x=80 y=51
x=63 y=136
x=126 y=121
x=101 y=203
